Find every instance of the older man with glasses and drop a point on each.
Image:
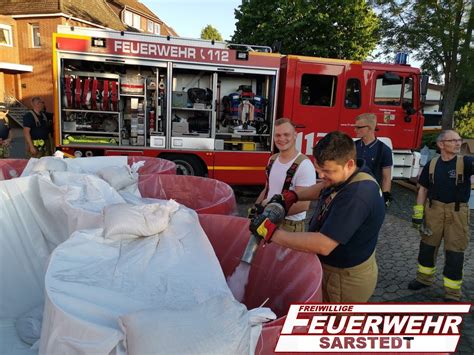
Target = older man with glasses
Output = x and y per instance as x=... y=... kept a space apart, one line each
x=442 y=212
x=376 y=155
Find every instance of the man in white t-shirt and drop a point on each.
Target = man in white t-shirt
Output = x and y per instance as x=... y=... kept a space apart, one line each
x=288 y=170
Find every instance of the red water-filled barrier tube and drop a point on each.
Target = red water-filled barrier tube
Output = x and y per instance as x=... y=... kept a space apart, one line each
x=11 y=168
x=200 y=194
x=282 y=275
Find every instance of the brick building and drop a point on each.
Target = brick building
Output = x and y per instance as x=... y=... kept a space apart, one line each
x=26 y=29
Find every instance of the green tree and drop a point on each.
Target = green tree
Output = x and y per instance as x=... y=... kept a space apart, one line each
x=211 y=33
x=464 y=120
x=344 y=29
x=439 y=32
x=466 y=95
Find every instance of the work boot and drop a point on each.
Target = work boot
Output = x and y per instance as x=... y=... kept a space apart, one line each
x=416 y=285
x=452 y=295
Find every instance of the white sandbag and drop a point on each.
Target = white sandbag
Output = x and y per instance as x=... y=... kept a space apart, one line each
x=119 y=177
x=92 y=165
x=10 y=342
x=77 y=200
x=29 y=232
x=137 y=166
x=220 y=325
x=91 y=281
x=28 y=325
x=49 y=164
x=124 y=221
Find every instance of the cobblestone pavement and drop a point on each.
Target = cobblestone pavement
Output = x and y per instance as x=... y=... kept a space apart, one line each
x=397 y=252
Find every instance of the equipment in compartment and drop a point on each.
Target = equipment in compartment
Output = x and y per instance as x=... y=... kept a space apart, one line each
x=199 y=122
x=180 y=99
x=83 y=139
x=244 y=112
x=132 y=84
x=90 y=121
x=89 y=93
x=200 y=96
x=179 y=126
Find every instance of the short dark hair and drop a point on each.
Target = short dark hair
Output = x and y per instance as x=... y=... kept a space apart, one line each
x=336 y=146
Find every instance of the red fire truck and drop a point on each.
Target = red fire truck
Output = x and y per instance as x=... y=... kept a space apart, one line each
x=210 y=106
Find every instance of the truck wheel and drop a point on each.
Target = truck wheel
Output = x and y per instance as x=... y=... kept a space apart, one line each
x=187 y=164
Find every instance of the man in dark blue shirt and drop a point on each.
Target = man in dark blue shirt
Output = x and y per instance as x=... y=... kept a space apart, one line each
x=37 y=130
x=346 y=223
x=442 y=212
x=375 y=154
x=5 y=135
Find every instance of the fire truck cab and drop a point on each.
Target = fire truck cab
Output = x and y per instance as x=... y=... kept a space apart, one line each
x=210 y=107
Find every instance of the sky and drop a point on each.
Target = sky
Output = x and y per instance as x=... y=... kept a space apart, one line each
x=189 y=17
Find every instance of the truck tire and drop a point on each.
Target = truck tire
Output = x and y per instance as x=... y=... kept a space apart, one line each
x=186 y=164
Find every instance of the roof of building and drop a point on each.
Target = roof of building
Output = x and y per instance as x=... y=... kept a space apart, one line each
x=138 y=6
x=95 y=11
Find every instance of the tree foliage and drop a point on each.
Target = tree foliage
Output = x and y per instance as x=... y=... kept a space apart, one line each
x=211 y=33
x=464 y=120
x=439 y=33
x=344 y=29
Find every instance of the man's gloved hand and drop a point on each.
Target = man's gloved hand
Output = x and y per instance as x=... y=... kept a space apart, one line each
x=387 y=197
x=254 y=211
x=286 y=199
x=417 y=217
x=264 y=228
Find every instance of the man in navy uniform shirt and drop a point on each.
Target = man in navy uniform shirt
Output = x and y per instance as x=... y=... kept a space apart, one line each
x=375 y=154
x=346 y=224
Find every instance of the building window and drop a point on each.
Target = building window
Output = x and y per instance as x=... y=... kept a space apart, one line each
x=35 y=35
x=353 y=95
x=137 y=22
x=6 y=35
x=150 y=26
x=128 y=18
x=318 y=90
x=157 y=29
x=388 y=90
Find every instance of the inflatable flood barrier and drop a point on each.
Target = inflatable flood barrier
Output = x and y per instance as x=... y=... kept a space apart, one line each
x=204 y=195
x=12 y=168
x=281 y=275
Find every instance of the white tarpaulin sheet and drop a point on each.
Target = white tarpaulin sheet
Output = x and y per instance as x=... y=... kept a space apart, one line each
x=102 y=294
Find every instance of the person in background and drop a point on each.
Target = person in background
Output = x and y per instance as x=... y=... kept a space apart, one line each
x=287 y=170
x=376 y=154
x=6 y=135
x=442 y=212
x=345 y=226
x=37 y=130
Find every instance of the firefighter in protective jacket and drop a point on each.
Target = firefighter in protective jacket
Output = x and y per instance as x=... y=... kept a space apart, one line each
x=442 y=212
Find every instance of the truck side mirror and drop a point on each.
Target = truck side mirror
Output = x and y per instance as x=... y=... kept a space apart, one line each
x=424 y=80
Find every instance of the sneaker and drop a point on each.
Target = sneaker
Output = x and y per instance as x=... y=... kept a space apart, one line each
x=416 y=285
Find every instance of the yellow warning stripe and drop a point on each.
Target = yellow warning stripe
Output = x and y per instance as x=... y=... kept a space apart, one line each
x=426 y=270
x=454 y=284
x=254 y=168
x=71 y=35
